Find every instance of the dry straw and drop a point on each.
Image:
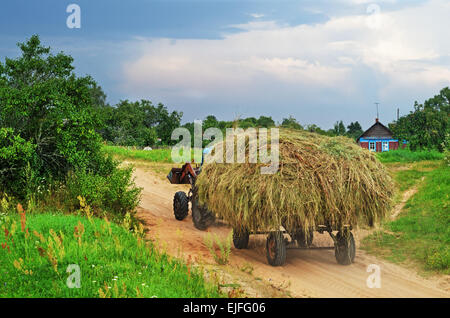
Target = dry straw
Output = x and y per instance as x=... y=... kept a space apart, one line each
x=321 y=181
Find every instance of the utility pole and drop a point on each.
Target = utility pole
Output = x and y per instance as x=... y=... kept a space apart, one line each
x=398 y=113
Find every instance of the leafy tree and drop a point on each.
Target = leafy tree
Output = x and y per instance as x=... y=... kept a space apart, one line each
x=426 y=127
x=48 y=131
x=316 y=129
x=266 y=122
x=291 y=122
x=139 y=123
x=43 y=102
x=354 y=130
x=339 y=128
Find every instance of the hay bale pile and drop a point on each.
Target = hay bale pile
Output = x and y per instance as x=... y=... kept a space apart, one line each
x=320 y=181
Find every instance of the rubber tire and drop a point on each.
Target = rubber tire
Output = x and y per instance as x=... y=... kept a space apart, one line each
x=276 y=249
x=345 y=249
x=240 y=239
x=201 y=217
x=302 y=240
x=180 y=205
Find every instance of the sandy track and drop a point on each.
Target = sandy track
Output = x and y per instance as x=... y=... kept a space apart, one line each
x=307 y=273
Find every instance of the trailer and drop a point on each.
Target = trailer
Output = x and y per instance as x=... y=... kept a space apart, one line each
x=277 y=241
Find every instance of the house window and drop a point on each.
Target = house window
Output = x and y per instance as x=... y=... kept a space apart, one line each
x=385 y=146
x=372 y=146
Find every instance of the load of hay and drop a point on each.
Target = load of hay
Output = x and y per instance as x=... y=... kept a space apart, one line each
x=320 y=181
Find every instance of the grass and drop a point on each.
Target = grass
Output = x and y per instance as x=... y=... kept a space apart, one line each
x=422 y=231
x=219 y=249
x=37 y=249
x=406 y=155
x=155 y=155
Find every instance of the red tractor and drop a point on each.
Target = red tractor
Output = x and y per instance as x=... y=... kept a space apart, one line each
x=201 y=216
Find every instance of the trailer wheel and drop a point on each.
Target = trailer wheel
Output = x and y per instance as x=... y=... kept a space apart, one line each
x=276 y=248
x=180 y=205
x=240 y=238
x=302 y=239
x=201 y=216
x=345 y=248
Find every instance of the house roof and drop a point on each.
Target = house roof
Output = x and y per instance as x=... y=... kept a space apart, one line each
x=377 y=131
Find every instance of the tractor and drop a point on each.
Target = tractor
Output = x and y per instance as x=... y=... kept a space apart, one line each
x=187 y=174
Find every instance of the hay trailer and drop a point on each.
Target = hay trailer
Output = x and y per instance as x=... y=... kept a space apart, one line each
x=187 y=174
x=279 y=241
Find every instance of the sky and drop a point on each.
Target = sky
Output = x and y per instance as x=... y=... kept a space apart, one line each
x=319 y=61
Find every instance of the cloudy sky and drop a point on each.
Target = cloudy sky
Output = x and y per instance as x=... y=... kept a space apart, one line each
x=320 y=61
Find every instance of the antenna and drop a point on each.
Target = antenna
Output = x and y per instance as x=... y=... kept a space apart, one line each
x=378 y=115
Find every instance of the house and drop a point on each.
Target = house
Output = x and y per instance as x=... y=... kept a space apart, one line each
x=378 y=138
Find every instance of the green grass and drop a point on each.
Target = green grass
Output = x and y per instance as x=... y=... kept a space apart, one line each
x=422 y=231
x=113 y=262
x=155 y=155
x=405 y=155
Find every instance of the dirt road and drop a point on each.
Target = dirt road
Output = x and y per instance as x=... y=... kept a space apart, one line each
x=307 y=273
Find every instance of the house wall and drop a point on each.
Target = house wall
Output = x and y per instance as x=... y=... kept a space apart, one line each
x=378 y=142
x=378 y=148
x=393 y=145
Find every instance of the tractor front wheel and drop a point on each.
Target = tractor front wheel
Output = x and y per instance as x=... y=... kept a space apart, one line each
x=345 y=249
x=276 y=248
x=180 y=205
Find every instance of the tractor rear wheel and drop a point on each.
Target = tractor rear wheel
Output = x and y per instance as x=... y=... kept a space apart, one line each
x=345 y=249
x=240 y=238
x=180 y=205
x=276 y=248
x=201 y=216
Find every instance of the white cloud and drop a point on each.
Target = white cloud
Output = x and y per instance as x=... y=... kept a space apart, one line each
x=257 y=15
x=402 y=53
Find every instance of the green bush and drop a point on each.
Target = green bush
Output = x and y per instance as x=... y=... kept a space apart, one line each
x=15 y=155
x=446 y=147
x=110 y=189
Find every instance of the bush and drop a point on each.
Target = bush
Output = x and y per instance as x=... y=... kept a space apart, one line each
x=446 y=147
x=110 y=189
x=15 y=155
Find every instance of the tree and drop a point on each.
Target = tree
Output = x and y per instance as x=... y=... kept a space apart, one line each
x=339 y=128
x=354 y=130
x=426 y=127
x=266 y=122
x=291 y=122
x=316 y=129
x=43 y=102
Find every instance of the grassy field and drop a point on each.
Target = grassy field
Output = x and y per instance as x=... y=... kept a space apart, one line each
x=155 y=155
x=405 y=155
x=36 y=251
x=421 y=233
